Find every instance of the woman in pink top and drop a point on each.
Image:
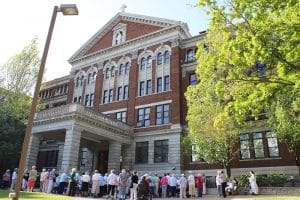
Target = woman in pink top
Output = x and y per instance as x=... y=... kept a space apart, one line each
x=164 y=183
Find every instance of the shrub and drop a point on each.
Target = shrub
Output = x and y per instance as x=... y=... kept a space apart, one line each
x=271 y=179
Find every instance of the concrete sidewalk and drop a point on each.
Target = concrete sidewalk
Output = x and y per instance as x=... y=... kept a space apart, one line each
x=205 y=197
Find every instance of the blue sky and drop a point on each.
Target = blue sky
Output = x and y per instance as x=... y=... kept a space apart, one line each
x=21 y=21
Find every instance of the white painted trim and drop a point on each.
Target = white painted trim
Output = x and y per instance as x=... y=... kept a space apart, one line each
x=153 y=104
x=114 y=111
x=124 y=48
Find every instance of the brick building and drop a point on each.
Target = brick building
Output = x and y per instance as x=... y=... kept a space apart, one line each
x=123 y=105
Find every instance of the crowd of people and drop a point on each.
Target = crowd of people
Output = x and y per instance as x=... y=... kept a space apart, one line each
x=120 y=185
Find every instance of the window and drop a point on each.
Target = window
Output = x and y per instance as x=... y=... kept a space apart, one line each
x=192 y=79
x=77 y=81
x=244 y=146
x=119 y=37
x=272 y=144
x=105 y=96
x=142 y=88
x=127 y=68
x=79 y=99
x=159 y=58
x=89 y=78
x=143 y=117
x=166 y=83
x=94 y=76
x=254 y=145
x=195 y=154
x=111 y=91
x=143 y=64
x=91 y=100
x=258 y=145
x=162 y=114
x=112 y=71
x=161 y=150
x=149 y=87
x=107 y=73
x=149 y=61
x=166 y=57
x=159 y=85
x=120 y=95
x=125 y=94
x=141 y=152
x=121 y=116
x=86 y=102
x=190 y=55
x=121 y=69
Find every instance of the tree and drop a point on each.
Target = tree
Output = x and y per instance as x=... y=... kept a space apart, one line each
x=212 y=131
x=253 y=60
x=21 y=70
x=18 y=78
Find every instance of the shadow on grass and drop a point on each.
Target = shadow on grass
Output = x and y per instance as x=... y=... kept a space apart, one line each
x=33 y=195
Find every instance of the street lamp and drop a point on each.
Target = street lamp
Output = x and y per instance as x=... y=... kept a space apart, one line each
x=66 y=9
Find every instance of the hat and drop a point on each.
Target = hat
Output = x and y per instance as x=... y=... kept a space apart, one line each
x=182 y=174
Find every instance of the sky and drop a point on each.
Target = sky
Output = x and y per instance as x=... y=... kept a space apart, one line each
x=22 y=20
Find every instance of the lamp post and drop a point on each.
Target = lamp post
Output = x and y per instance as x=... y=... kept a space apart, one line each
x=66 y=9
x=121 y=160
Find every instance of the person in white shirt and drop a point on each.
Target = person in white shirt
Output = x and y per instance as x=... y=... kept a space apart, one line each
x=173 y=185
x=14 y=179
x=85 y=183
x=95 y=183
x=182 y=186
x=191 y=182
x=112 y=181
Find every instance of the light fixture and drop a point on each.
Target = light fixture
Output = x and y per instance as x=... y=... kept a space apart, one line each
x=68 y=9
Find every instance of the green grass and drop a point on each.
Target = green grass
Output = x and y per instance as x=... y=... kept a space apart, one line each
x=34 y=196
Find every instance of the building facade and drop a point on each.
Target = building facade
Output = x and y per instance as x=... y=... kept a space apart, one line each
x=123 y=106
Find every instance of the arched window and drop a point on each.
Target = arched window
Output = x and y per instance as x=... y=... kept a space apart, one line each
x=77 y=81
x=107 y=73
x=143 y=63
x=149 y=61
x=121 y=69
x=81 y=80
x=159 y=58
x=190 y=55
x=127 y=68
x=112 y=71
x=94 y=76
x=119 y=37
x=166 y=57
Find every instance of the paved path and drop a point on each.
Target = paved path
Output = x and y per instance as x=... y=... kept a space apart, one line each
x=205 y=197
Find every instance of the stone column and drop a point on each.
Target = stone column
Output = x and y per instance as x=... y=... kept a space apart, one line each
x=114 y=155
x=71 y=149
x=33 y=150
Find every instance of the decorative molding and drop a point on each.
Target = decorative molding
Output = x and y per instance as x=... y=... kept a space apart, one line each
x=150 y=39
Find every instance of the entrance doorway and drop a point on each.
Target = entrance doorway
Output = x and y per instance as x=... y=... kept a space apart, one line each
x=103 y=162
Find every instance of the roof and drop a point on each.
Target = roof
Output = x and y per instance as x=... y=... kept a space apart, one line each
x=162 y=22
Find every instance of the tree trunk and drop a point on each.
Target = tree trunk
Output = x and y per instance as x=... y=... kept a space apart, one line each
x=228 y=170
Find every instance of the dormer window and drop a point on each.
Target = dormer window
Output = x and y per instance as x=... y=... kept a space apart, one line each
x=119 y=38
x=119 y=34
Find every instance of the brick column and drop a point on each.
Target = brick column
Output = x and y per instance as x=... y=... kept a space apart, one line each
x=114 y=155
x=175 y=75
x=71 y=149
x=133 y=81
x=33 y=151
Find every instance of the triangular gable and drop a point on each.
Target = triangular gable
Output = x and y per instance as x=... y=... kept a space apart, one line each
x=138 y=25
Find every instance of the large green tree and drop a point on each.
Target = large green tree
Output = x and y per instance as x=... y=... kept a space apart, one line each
x=17 y=80
x=252 y=63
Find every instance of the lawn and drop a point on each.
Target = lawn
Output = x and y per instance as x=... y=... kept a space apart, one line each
x=33 y=195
